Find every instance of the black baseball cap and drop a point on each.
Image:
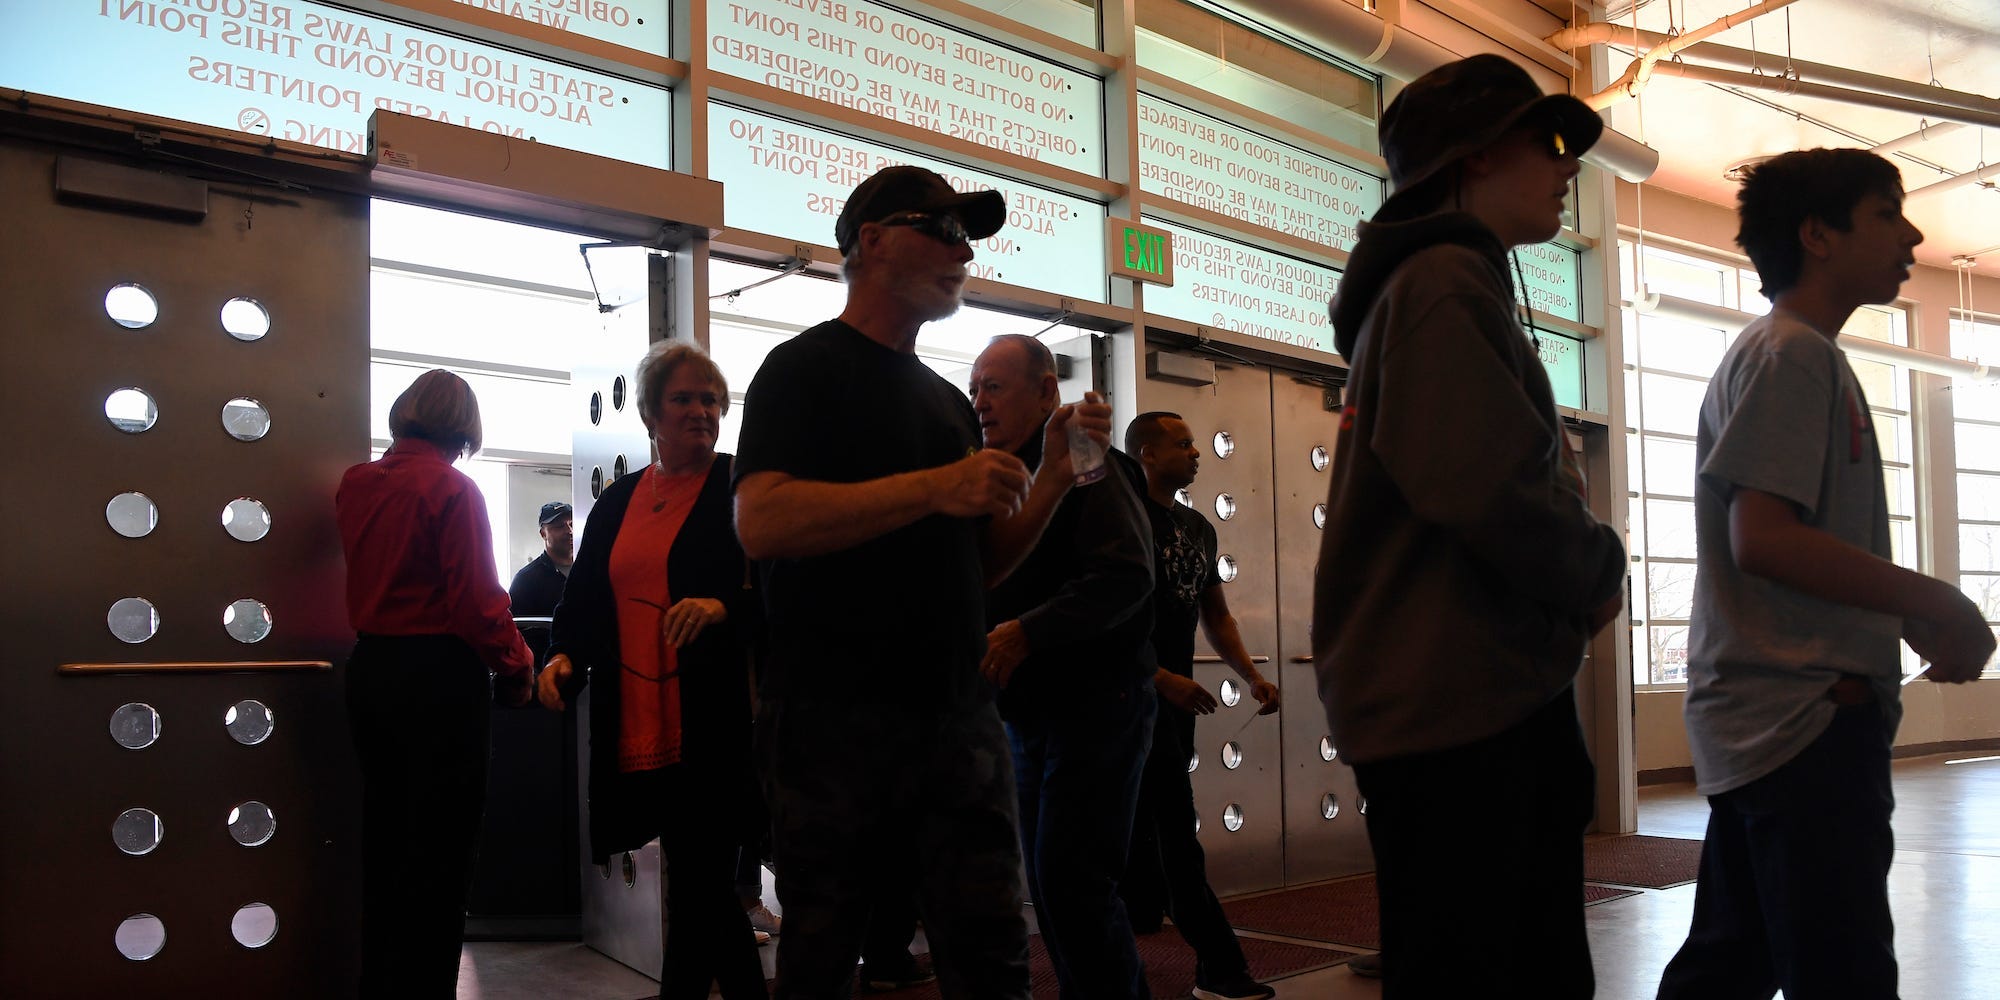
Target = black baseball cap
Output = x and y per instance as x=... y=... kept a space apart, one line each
x=913 y=189
x=553 y=510
x=1461 y=108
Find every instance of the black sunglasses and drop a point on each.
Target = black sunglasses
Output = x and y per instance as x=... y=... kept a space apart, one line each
x=945 y=229
x=1548 y=135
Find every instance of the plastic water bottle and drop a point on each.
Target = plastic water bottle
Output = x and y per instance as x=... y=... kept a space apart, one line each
x=1086 y=456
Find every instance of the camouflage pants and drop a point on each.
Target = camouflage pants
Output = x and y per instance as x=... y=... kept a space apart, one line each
x=868 y=800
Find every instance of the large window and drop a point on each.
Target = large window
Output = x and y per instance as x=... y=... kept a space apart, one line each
x=1976 y=432
x=1669 y=360
x=1075 y=20
x=1197 y=43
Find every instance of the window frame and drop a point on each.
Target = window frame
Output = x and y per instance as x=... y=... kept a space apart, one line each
x=1738 y=287
x=1965 y=325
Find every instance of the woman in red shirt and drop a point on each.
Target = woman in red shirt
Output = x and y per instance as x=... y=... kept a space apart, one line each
x=659 y=614
x=425 y=599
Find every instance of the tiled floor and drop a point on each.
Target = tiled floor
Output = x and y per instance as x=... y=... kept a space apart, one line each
x=1944 y=889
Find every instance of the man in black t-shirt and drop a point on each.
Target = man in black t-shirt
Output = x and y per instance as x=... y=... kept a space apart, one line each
x=1168 y=871
x=878 y=522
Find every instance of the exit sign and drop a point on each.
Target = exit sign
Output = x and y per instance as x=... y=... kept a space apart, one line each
x=1139 y=252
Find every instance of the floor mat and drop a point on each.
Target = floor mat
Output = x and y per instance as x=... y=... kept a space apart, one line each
x=1341 y=913
x=1653 y=862
x=1595 y=894
x=1169 y=966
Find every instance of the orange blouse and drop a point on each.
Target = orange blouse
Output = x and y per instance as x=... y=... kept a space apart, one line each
x=649 y=729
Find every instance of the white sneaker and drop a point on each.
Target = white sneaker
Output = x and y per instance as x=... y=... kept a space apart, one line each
x=763 y=919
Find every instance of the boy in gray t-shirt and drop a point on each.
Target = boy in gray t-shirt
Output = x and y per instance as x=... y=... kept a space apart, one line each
x=1793 y=676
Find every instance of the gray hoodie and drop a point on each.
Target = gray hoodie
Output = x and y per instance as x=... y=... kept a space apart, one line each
x=1459 y=565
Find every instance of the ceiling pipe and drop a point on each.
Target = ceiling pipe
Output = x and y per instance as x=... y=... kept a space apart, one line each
x=1353 y=33
x=1689 y=311
x=1802 y=88
x=1730 y=57
x=1625 y=157
x=1680 y=310
x=1642 y=68
x=1915 y=360
x=1986 y=175
x=1925 y=134
x=1364 y=38
x=1953 y=110
x=1981 y=175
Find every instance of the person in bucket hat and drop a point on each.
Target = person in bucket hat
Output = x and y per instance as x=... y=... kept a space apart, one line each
x=1461 y=573
x=1462 y=108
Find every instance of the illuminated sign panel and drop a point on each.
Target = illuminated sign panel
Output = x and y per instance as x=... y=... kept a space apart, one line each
x=1141 y=253
x=1552 y=275
x=894 y=65
x=791 y=180
x=635 y=24
x=1210 y=164
x=1562 y=358
x=1234 y=286
x=312 y=73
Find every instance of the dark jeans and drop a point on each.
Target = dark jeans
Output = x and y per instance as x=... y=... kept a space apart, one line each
x=1168 y=871
x=1794 y=878
x=885 y=948
x=708 y=936
x=754 y=846
x=750 y=874
x=865 y=795
x=418 y=710
x=1078 y=767
x=1479 y=862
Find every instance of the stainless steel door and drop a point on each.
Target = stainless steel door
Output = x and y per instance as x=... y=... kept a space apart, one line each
x=185 y=822
x=621 y=901
x=1325 y=835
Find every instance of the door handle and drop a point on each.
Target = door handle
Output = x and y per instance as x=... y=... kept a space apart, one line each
x=1212 y=658
x=1303 y=658
x=195 y=667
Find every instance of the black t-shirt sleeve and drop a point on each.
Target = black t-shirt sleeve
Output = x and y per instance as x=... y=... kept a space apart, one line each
x=778 y=412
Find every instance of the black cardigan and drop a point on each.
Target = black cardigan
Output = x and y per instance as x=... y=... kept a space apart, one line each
x=1083 y=596
x=705 y=561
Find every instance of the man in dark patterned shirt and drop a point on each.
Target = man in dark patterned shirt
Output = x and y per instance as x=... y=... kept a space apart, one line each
x=1167 y=872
